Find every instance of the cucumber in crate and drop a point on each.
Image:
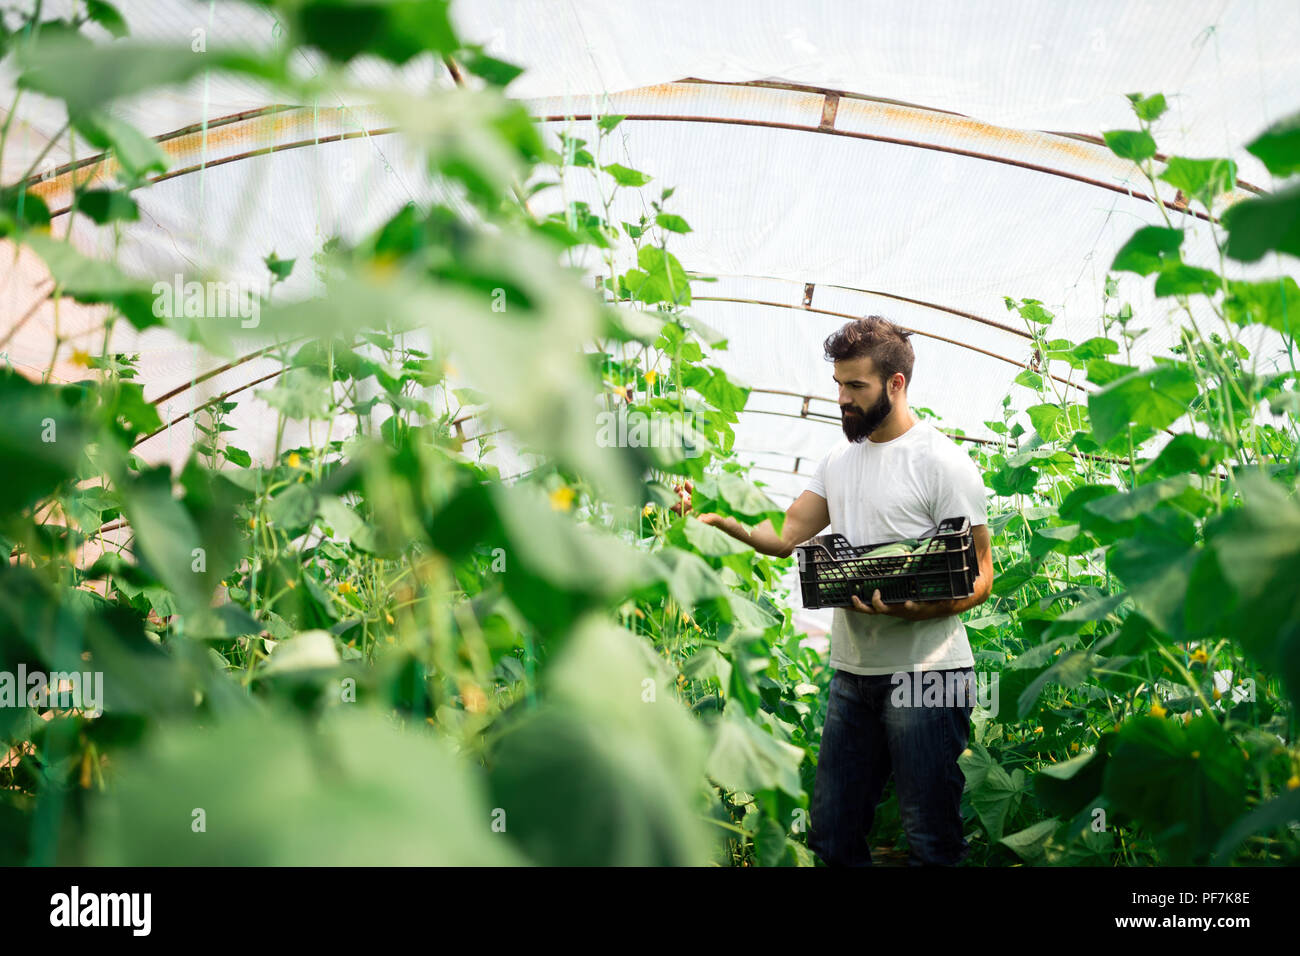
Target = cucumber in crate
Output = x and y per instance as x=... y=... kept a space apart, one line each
x=938 y=567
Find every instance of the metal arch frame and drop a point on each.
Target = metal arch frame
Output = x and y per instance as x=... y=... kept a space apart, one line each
x=828 y=92
x=845 y=315
x=826 y=127
x=809 y=287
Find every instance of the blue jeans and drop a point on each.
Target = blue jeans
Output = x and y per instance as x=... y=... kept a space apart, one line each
x=872 y=730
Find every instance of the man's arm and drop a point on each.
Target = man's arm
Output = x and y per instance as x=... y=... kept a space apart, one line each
x=807 y=516
x=925 y=610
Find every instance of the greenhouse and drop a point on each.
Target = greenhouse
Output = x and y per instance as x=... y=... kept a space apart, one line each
x=428 y=425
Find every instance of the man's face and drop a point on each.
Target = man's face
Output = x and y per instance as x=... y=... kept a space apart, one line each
x=864 y=399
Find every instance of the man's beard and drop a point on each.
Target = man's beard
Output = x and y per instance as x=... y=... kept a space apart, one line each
x=859 y=424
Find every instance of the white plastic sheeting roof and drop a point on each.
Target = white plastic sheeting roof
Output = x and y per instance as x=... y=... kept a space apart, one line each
x=834 y=159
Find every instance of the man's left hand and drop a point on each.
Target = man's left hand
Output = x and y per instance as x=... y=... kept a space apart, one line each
x=908 y=610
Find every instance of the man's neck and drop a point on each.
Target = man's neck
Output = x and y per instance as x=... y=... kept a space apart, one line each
x=894 y=426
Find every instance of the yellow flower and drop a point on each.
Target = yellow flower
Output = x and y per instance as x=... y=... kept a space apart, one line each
x=345 y=587
x=1157 y=710
x=562 y=499
x=252 y=522
x=1074 y=747
x=646 y=511
x=382 y=267
x=1200 y=656
x=388 y=617
x=650 y=378
x=294 y=460
x=1294 y=782
x=472 y=697
x=81 y=357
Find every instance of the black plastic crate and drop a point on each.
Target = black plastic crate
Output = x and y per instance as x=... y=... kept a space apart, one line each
x=831 y=570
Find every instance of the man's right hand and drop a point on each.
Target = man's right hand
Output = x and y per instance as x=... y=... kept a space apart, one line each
x=684 y=492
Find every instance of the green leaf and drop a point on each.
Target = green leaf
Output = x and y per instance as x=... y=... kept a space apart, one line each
x=710 y=541
x=1102 y=372
x=1148 y=108
x=396 y=31
x=299 y=393
x=45 y=432
x=497 y=72
x=1067 y=788
x=1018 y=480
x=1186 y=453
x=292 y=508
x=306 y=652
x=1278 y=147
x=107 y=16
x=665 y=279
x=1136 y=145
x=1030 y=379
x=1069 y=670
x=108 y=205
x=732 y=494
x=20 y=209
x=1154 y=397
x=746 y=757
x=1148 y=250
x=1030 y=843
x=1184 y=784
x=354 y=790
x=1256 y=552
x=138 y=154
x=603 y=773
x=1271 y=302
x=94 y=281
x=625 y=176
x=687 y=577
x=87 y=75
x=672 y=223
x=237 y=456
x=1177 y=278
x=1013 y=577
x=608 y=123
x=280 y=268
x=166 y=538
x=994 y=794
x=708 y=664
x=1203 y=179
x=1264 y=224
x=1280 y=813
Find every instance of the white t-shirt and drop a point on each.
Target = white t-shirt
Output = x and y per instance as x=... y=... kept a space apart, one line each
x=878 y=492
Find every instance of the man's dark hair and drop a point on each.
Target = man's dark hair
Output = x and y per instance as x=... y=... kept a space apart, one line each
x=876 y=337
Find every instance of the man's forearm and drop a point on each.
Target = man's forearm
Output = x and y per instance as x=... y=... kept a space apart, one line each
x=762 y=538
x=953 y=606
